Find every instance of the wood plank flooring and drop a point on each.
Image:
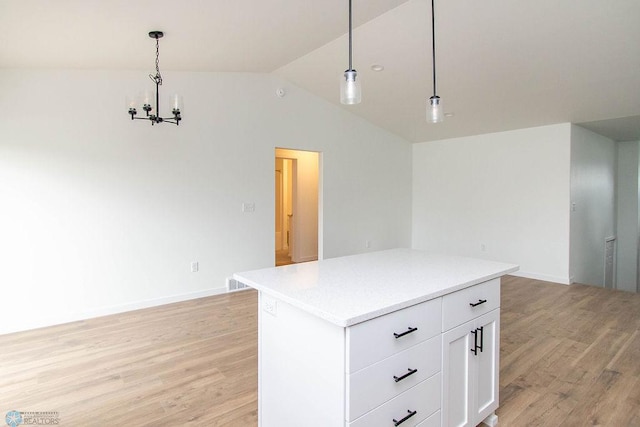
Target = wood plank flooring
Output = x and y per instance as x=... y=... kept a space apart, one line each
x=570 y=356
x=191 y=363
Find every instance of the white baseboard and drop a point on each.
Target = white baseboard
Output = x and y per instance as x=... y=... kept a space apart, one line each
x=544 y=277
x=29 y=324
x=307 y=258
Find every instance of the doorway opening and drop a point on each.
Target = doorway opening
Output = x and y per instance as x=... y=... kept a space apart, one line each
x=297 y=206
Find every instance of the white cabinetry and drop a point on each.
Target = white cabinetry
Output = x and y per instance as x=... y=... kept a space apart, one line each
x=378 y=339
x=376 y=373
x=393 y=367
x=430 y=363
x=471 y=355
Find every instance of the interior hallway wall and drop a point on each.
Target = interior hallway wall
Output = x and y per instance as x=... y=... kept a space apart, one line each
x=593 y=177
x=628 y=215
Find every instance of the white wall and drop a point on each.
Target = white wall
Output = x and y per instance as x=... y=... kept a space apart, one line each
x=627 y=215
x=508 y=191
x=100 y=214
x=593 y=175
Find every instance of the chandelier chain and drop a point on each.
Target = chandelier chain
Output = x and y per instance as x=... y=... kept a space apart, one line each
x=158 y=77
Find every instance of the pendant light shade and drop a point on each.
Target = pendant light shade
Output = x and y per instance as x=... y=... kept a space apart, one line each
x=350 y=90
x=435 y=112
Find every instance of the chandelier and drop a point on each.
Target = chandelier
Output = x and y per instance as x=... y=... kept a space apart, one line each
x=153 y=114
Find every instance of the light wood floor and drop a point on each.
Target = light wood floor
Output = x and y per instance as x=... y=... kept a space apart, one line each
x=191 y=363
x=570 y=356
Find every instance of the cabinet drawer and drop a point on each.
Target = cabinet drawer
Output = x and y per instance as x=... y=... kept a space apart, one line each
x=461 y=306
x=424 y=399
x=375 y=384
x=371 y=341
x=433 y=421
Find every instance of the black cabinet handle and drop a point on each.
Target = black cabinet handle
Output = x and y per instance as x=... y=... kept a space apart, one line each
x=474 y=350
x=480 y=301
x=411 y=414
x=477 y=346
x=411 y=372
x=405 y=333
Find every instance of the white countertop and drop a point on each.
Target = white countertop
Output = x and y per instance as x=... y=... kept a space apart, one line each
x=353 y=289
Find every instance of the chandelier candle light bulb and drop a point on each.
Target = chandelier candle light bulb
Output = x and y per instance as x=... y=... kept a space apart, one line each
x=131 y=103
x=146 y=98
x=176 y=103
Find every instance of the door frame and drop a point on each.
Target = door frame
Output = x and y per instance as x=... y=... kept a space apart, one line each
x=294 y=248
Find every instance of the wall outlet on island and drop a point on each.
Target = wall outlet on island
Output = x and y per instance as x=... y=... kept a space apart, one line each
x=270 y=305
x=194 y=267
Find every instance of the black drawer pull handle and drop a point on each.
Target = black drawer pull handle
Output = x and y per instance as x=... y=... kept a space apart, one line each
x=411 y=414
x=411 y=372
x=405 y=333
x=480 y=301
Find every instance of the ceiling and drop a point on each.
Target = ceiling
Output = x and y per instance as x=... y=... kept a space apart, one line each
x=501 y=64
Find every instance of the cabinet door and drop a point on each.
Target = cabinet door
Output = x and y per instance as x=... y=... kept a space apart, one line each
x=487 y=365
x=456 y=376
x=470 y=369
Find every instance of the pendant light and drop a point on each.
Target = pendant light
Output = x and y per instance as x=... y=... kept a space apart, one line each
x=350 y=91
x=152 y=113
x=435 y=113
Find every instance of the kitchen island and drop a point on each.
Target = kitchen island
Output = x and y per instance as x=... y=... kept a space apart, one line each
x=389 y=338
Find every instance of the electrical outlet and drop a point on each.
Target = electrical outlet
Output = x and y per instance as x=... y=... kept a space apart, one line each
x=270 y=305
x=195 y=267
x=483 y=247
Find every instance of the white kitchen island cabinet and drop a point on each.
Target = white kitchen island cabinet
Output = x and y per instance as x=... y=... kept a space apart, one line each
x=471 y=350
x=357 y=341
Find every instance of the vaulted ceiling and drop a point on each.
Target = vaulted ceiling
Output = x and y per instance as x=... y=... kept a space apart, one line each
x=502 y=64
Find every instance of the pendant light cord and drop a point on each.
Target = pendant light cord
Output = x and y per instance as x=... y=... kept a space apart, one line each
x=350 y=53
x=433 y=40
